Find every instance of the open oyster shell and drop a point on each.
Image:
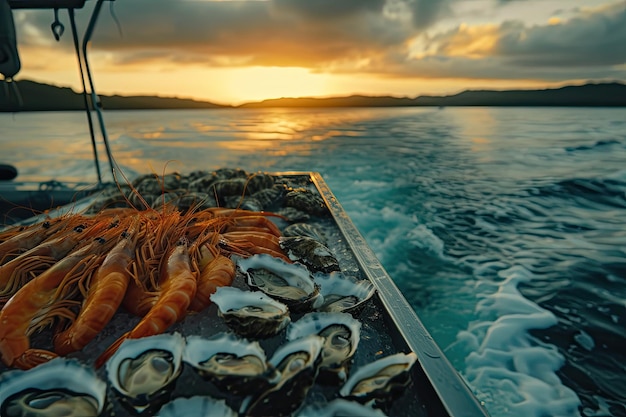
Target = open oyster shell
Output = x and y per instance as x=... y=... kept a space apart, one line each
x=340 y=407
x=250 y=314
x=197 y=406
x=342 y=293
x=341 y=333
x=143 y=371
x=297 y=362
x=59 y=387
x=288 y=283
x=379 y=380
x=232 y=364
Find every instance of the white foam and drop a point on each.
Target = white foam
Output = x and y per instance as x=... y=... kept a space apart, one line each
x=508 y=369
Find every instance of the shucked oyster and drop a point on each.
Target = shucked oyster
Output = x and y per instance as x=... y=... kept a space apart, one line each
x=250 y=313
x=341 y=333
x=197 y=406
x=288 y=283
x=342 y=293
x=297 y=362
x=340 y=408
x=232 y=364
x=143 y=371
x=379 y=380
x=59 y=387
x=310 y=252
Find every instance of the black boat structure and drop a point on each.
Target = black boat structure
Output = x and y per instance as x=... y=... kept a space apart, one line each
x=389 y=365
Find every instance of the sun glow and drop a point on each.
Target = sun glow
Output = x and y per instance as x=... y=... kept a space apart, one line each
x=260 y=83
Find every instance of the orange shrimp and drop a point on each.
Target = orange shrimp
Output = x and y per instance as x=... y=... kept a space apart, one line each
x=21 y=239
x=34 y=305
x=253 y=223
x=105 y=294
x=253 y=243
x=216 y=271
x=141 y=291
x=177 y=287
x=18 y=271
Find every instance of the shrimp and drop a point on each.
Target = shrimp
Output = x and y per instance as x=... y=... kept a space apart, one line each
x=216 y=271
x=253 y=243
x=34 y=305
x=105 y=294
x=177 y=288
x=19 y=240
x=17 y=272
x=253 y=223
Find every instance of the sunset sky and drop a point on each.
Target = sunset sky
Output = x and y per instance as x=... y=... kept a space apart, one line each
x=231 y=52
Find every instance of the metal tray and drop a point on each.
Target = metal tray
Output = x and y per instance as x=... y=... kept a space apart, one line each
x=389 y=325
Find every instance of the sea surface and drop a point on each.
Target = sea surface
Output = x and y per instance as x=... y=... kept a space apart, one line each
x=505 y=228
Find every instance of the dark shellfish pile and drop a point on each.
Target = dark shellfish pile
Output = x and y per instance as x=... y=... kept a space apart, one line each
x=321 y=346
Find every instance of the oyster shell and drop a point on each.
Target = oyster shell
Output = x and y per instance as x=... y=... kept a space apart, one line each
x=59 y=387
x=307 y=201
x=340 y=408
x=250 y=313
x=342 y=293
x=341 y=333
x=143 y=371
x=197 y=406
x=305 y=229
x=232 y=364
x=288 y=283
x=297 y=362
x=379 y=380
x=310 y=252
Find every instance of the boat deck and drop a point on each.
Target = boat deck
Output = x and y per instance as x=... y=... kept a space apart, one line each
x=389 y=325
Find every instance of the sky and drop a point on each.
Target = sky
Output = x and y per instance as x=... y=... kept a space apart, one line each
x=235 y=51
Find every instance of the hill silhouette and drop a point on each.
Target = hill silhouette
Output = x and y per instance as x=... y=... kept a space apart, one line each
x=37 y=97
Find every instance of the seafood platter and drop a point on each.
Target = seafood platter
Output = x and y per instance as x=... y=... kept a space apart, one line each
x=213 y=293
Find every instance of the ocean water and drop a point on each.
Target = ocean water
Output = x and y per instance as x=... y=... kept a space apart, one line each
x=505 y=228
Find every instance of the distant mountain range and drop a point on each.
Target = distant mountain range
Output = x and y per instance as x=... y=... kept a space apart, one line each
x=36 y=97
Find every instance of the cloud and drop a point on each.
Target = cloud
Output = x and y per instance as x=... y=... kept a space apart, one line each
x=392 y=38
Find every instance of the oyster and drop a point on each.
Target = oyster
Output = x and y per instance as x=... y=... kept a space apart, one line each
x=232 y=364
x=380 y=380
x=250 y=313
x=197 y=406
x=305 y=229
x=297 y=362
x=143 y=371
x=310 y=252
x=342 y=293
x=341 y=333
x=288 y=283
x=307 y=201
x=340 y=408
x=59 y=387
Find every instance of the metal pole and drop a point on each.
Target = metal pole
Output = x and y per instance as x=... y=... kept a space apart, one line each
x=85 y=97
x=94 y=97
